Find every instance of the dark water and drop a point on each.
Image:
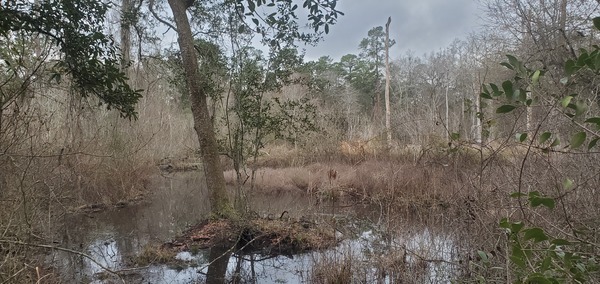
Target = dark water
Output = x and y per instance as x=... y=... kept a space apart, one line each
x=112 y=237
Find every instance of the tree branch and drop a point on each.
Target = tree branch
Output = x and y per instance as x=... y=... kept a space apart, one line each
x=20 y=243
x=158 y=18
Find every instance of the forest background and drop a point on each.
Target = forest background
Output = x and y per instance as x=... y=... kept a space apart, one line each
x=493 y=136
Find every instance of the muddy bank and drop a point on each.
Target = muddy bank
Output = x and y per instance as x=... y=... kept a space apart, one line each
x=266 y=237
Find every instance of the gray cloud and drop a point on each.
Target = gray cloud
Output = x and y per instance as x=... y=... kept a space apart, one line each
x=421 y=26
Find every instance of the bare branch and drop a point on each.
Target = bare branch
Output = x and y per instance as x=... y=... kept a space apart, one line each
x=20 y=243
x=158 y=18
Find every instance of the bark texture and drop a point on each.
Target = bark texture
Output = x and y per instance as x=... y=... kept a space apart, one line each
x=125 y=33
x=215 y=181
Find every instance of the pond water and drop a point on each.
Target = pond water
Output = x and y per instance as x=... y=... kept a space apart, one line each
x=370 y=246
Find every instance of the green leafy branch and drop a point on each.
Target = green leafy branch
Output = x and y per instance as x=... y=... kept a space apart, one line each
x=89 y=56
x=535 y=255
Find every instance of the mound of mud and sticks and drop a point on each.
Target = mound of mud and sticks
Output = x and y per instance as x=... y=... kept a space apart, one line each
x=259 y=235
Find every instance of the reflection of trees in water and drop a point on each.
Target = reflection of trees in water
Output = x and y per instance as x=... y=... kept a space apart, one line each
x=217 y=270
x=108 y=237
x=227 y=267
x=246 y=270
x=112 y=236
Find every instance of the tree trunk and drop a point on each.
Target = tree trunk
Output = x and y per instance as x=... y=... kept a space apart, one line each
x=447 y=127
x=388 y=128
x=125 y=34
x=213 y=172
x=217 y=268
x=478 y=127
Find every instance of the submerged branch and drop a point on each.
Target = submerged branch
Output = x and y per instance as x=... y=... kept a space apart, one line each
x=20 y=243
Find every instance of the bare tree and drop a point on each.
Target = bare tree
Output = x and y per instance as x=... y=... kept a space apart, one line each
x=387 y=82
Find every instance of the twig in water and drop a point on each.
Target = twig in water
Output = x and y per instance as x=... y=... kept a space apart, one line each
x=20 y=243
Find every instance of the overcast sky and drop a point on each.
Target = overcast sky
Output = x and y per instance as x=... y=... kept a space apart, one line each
x=421 y=26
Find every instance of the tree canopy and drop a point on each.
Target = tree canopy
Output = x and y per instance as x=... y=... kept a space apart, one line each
x=85 y=53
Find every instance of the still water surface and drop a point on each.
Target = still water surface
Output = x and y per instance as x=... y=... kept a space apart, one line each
x=179 y=201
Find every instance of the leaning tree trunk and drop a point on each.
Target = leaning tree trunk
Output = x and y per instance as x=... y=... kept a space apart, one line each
x=215 y=181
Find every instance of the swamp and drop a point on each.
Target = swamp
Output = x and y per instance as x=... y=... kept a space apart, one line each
x=204 y=142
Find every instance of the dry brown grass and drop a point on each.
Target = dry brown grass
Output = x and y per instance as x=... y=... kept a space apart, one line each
x=344 y=266
x=113 y=182
x=152 y=254
x=336 y=269
x=373 y=180
x=58 y=151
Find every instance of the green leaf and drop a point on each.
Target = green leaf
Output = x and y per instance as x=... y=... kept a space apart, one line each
x=566 y=101
x=507 y=86
x=512 y=60
x=517 y=194
x=544 y=137
x=546 y=263
x=593 y=143
x=597 y=59
x=485 y=89
x=504 y=223
x=495 y=89
x=578 y=139
x=581 y=61
x=538 y=279
x=535 y=78
x=596 y=23
x=484 y=257
x=555 y=143
x=251 y=5
x=521 y=137
x=537 y=234
x=520 y=95
x=518 y=260
x=580 y=108
x=560 y=242
x=545 y=201
x=568 y=184
x=594 y=120
x=516 y=226
x=507 y=65
x=505 y=109
x=485 y=96
x=455 y=136
x=570 y=67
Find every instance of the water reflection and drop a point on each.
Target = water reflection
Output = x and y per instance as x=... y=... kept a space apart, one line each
x=112 y=237
x=219 y=265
